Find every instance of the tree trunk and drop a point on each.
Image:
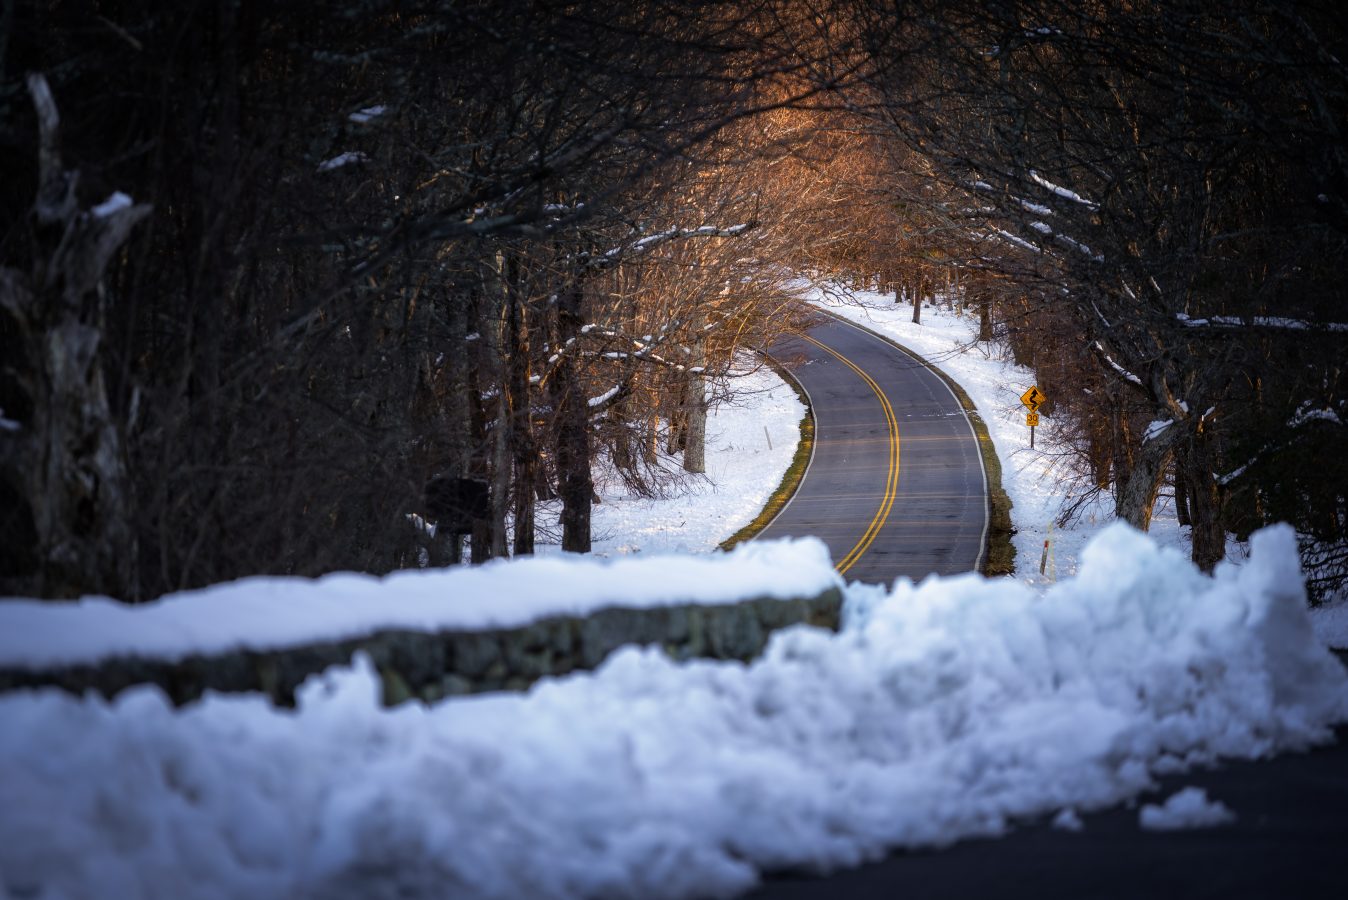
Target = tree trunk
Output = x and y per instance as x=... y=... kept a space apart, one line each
x=677 y=438
x=1099 y=454
x=572 y=430
x=523 y=451
x=481 y=381
x=695 y=444
x=627 y=412
x=67 y=463
x=457 y=417
x=651 y=449
x=918 y=290
x=494 y=337
x=1181 y=494
x=1121 y=450
x=985 y=320
x=1137 y=499
x=1194 y=460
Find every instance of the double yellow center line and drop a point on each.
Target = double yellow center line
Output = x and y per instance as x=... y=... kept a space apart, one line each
x=891 y=478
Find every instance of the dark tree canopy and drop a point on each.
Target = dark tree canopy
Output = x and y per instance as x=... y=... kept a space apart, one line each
x=267 y=270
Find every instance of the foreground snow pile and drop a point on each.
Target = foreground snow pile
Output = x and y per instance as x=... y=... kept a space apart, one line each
x=1188 y=808
x=1331 y=622
x=940 y=712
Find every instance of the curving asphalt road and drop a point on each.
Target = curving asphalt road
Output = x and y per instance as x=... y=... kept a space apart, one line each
x=896 y=484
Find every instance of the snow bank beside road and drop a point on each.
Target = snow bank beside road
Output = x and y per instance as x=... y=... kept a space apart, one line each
x=942 y=711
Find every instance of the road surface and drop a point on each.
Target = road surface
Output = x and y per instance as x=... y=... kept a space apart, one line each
x=896 y=484
x=1289 y=840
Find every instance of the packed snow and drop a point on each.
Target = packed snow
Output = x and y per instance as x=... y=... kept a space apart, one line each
x=1187 y=808
x=944 y=710
x=268 y=612
x=1331 y=622
x=1068 y=820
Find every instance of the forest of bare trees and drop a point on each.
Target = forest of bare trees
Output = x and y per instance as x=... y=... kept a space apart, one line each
x=279 y=282
x=1163 y=187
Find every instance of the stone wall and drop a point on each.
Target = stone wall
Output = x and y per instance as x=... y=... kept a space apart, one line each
x=430 y=666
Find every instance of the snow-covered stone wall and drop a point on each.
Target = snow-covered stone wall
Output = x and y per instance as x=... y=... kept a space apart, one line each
x=429 y=635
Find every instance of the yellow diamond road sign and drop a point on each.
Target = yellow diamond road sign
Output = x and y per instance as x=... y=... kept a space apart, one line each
x=1033 y=399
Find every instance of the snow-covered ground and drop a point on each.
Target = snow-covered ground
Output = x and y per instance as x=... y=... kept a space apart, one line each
x=1038 y=481
x=750 y=443
x=941 y=711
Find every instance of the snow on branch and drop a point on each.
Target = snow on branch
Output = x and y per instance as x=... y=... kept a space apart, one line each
x=1305 y=413
x=368 y=114
x=1308 y=414
x=651 y=241
x=1019 y=242
x=611 y=397
x=1038 y=209
x=1079 y=247
x=641 y=356
x=1061 y=191
x=342 y=159
x=115 y=202
x=1123 y=373
x=1156 y=429
x=1274 y=322
x=605 y=397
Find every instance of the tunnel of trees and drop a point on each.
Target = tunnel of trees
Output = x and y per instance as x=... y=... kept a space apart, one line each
x=268 y=270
